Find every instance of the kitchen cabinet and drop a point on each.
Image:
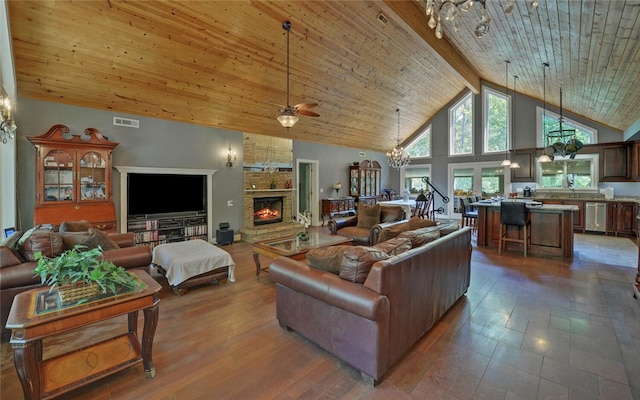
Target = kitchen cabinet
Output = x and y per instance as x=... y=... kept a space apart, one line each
x=578 y=216
x=73 y=178
x=615 y=162
x=621 y=218
x=636 y=161
x=527 y=171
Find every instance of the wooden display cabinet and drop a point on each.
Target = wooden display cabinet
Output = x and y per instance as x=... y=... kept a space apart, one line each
x=73 y=178
x=365 y=181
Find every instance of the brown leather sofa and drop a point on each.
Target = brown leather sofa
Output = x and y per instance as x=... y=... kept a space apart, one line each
x=372 y=325
x=367 y=234
x=17 y=265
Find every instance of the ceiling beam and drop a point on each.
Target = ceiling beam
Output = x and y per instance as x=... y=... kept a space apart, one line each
x=412 y=18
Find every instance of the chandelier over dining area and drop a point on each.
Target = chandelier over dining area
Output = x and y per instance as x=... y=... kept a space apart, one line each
x=397 y=158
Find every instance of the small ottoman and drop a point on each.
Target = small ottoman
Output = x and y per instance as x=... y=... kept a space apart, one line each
x=191 y=263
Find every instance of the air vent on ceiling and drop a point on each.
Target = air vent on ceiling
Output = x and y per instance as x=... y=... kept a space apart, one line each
x=131 y=123
x=363 y=154
x=382 y=18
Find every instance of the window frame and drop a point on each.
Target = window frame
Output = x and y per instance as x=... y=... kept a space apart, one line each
x=568 y=121
x=486 y=92
x=595 y=177
x=425 y=131
x=403 y=176
x=468 y=97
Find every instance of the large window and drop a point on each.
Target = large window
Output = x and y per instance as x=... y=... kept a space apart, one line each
x=461 y=127
x=488 y=179
x=496 y=110
x=421 y=146
x=579 y=173
x=548 y=121
x=413 y=178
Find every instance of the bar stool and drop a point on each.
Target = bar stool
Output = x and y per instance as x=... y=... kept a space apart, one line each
x=469 y=216
x=514 y=214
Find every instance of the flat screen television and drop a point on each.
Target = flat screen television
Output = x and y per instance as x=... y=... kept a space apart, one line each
x=165 y=193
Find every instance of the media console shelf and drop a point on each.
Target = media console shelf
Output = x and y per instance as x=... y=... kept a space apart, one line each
x=153 y=230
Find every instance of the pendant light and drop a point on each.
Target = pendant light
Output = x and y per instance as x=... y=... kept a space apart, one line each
x=514 y=164
x=397 y=158
x=544 y=157
x=507 y=156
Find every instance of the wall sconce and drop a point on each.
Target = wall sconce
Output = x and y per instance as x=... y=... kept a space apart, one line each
x=7 y=124
x=231 y=157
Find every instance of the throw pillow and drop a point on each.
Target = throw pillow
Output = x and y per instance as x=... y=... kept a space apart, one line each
x=327 y=258
x=449 y=227
x=417 y=223
x=48 y=242
x=392 y=231
x=75 y=226
x=391 y=214
x=394 y=246
x=357 y=262
x=368 y=216
x=422 y=236
x=97 y=238
x=70 y=239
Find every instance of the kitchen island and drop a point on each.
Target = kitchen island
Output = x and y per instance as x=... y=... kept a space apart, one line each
x=551 y=228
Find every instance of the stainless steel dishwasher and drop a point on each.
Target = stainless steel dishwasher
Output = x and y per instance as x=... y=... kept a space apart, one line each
x=595 y=217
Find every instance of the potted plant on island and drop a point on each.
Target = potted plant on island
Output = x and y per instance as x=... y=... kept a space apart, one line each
x=80 y=275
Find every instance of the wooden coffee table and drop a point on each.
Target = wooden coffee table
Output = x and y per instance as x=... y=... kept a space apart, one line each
x=35 y=315
x=293 y=247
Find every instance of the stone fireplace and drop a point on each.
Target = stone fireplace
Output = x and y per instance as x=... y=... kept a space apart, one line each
x=267 y=210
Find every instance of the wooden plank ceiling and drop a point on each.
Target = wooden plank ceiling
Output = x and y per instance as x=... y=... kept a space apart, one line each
x=223 y=63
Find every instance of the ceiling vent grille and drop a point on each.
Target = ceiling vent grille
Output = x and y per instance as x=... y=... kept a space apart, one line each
x=382 y=18
x=130 y=123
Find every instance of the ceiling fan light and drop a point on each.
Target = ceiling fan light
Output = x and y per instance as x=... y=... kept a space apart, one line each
x=287 y=119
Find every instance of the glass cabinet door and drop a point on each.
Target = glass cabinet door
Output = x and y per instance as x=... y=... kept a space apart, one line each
x=354 y=182
x=58 y=176
x=93 y=179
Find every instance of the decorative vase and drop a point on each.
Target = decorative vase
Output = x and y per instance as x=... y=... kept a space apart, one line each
x=337 y=191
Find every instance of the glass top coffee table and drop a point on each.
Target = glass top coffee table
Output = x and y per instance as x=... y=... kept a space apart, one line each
x=293 y=247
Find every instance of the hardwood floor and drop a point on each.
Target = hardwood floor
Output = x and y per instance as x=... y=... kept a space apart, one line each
x=529 y=328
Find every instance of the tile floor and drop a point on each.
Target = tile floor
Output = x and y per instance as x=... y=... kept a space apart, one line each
x=546 y=329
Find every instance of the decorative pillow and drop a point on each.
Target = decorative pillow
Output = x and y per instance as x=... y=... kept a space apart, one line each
x=48 y=242
x=327 y=258
x=357 y=262
x=449 y=227
x=75 y=226
x=368 y=216
x=70 y=239
x=417 y=223
x=394 y=246
x=390 y=214
x=421 y=236
x=392 y=231
x=97 y=238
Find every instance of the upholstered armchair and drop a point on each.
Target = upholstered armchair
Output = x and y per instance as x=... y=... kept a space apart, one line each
x=365 y=227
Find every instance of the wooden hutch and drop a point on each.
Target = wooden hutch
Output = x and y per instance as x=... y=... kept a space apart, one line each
x=365 y=183
x=73 y=178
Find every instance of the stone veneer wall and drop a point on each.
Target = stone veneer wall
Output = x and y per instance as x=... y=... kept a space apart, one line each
x=264 y=151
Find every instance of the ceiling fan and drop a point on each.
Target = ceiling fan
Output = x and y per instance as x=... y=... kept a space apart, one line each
x=289 y=114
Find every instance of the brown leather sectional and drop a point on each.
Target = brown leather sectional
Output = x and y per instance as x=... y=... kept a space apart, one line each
x=16 y=265
x=372 y=325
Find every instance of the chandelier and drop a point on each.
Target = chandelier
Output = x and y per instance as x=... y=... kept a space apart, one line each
x=7 y=124
x=397 y=158
x=448 y=9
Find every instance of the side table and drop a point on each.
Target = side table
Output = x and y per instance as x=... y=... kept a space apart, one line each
x=32 y=318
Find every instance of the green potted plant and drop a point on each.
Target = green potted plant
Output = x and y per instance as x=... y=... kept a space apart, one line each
x=79 y=275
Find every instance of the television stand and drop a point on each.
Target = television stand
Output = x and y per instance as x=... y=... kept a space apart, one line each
x=155 y=229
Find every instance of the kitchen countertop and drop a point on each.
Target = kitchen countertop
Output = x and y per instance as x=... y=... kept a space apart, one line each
x=630 y=199
x=532 y=208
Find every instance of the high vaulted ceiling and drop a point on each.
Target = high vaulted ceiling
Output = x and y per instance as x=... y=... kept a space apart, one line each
x=223 y=63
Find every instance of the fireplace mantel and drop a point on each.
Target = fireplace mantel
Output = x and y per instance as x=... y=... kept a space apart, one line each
x=125 y=170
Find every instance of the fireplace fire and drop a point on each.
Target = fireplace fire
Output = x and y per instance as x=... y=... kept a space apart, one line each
x=267 y=210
